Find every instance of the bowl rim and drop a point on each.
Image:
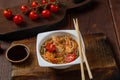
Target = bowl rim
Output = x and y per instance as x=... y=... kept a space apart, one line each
x=44 y=63
x=21 y=60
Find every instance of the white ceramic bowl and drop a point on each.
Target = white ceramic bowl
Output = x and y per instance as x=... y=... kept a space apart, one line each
x=42 y=37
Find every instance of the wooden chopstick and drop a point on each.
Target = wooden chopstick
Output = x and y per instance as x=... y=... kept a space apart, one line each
x=80 y=51
x=79 y=44
x=85 y=58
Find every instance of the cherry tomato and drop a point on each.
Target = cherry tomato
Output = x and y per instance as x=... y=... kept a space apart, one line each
x=52 y=0
x=34 y=4
x=33 y=15
x=46 y=13
x=50 y=47
x=70 y=58
x=7 y=13
x=54 y=8
x=18 y=19
x=24 y=8
x=44 y=2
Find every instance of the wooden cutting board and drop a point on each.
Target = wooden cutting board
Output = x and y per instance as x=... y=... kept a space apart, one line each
x=9 y=30
x=100 y=57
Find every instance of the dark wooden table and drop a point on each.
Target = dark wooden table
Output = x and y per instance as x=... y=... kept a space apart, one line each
x=98 y=16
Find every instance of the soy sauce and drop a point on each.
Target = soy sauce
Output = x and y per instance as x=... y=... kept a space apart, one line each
x=17 y=53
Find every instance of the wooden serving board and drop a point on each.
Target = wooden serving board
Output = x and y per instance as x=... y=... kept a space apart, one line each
x=99 y=54
x=9 y=30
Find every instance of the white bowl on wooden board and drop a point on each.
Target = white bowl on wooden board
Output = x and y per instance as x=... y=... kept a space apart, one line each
x=42 y=37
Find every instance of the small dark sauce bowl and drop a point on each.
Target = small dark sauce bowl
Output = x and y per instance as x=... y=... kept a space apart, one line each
x=17 y=53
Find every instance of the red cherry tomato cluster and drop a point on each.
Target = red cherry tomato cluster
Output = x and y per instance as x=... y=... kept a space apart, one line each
x=7 y=13
x=37 y=9
x=46 y=6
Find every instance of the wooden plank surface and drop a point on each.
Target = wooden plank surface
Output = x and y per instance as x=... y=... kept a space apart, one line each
x=114 y=7
x=115 y=11
x=99 y=54
x=97 y=18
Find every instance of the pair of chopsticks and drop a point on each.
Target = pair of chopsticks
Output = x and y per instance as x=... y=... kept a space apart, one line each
x=81 y=52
